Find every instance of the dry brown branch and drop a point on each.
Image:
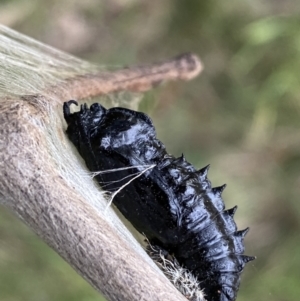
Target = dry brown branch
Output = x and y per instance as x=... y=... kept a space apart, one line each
x=134 y=79
x=41 y=182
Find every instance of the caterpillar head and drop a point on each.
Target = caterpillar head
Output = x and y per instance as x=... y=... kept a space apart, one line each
x=119 y=130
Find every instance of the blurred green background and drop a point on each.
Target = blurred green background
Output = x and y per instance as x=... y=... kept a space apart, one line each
x=241 y=116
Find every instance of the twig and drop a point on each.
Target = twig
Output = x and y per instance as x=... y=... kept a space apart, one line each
x=134 y=79
x=41 y=179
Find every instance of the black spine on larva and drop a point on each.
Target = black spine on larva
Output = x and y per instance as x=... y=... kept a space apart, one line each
x=173 y=204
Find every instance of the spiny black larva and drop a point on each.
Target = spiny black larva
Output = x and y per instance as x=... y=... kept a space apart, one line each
x=172 y=204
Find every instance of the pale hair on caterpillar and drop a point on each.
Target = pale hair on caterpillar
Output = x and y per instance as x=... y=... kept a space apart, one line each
x=181 y=278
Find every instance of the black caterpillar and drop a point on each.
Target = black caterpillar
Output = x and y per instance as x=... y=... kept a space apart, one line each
x=173 y=204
